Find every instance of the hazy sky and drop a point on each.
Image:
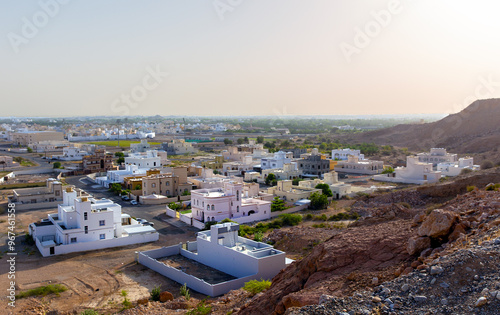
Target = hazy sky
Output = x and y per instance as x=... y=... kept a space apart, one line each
x=246 y=57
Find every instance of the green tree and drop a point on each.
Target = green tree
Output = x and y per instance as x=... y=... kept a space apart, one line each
x=30 y=150
x=325 y=189
x=115 y=187
x=277 y=205
x=120 y=160
x=245 y=140
x=57 y=165
x=271 y=179
x=318 y=201
x=388 y=170
x=260 y=139
x=227 y=141
x=296 y=181
x=119 y=154
x=240 y=141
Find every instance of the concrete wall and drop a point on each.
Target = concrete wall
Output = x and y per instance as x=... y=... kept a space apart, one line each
x=291 y=210
x=186 y=218
x=100 y=244
x=35 y=206
x=171 y=213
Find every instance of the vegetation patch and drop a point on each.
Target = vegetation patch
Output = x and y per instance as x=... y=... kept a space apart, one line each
x=255 y=286
x=43 y=291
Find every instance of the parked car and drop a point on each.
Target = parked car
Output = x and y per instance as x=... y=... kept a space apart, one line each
x=140 y=220
x=148 y=223
x=125 y=197
x=133 y=202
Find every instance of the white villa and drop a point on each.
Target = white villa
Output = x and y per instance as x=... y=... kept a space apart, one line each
x=222 y=249
x=356 y=166
x=279 y=159
x=118 y=176
x=84 y=223
x=237 y=168
x=343 y=154
x=216 y=204
x=148 y=159
x=455 y=168
x=142 y=146
x=288 y=171
x=436 y=156
x=415 y=172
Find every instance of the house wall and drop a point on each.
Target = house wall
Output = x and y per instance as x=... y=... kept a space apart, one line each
x=100 y=244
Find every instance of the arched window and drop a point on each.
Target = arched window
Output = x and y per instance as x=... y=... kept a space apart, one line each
x=237 y=195
x=167 y=184
x=208 y=207
x=213 y=207
x=237 y=208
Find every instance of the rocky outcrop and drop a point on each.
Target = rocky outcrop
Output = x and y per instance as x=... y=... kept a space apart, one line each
x=438 y=224
x=417 y=244
x=353 y=257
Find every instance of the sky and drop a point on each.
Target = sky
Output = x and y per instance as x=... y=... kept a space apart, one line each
x=246 y=57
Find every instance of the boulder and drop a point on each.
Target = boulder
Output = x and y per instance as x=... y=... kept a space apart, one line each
x=418 y=244
x=457 y=232
x=166 y=296
x=437 y=224
x=144 y=301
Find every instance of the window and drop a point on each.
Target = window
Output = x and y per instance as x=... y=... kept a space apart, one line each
x=213 y=207
x=85 y=215
x=102 y=236
x=167 y=183
x=153 y=185
x=58 y=192
x=237 y=195
x=237 y=208
x=86 y=229
x=102 y=223
x=208 y=207
x=73 y=240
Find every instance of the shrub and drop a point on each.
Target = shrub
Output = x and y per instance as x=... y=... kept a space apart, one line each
x=277 y=205
x=209 y=224
x=289 y=219
x=255 y=286
x=258 y=235
x=470 y=188
x=155 y=293
x=43 y=291
x=318 y=201
x=465 y=171
x=184 y=291
x=308 y=216
x=492 y=187
x=486 y=165
x=201 y=309
x=388 y=170
x=28 y=239
x=325 y=188
x=57 y=165
x=89 y=312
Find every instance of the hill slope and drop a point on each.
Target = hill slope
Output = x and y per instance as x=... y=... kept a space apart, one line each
x=476 y=129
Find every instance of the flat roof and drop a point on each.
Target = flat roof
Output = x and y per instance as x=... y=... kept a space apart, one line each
x=139 y=229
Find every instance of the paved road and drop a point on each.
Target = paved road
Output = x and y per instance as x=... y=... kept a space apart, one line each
x=44 y=166
x=153 y=213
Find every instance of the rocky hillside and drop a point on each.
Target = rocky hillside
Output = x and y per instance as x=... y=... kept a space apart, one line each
x=400 y=236
x=476 y=129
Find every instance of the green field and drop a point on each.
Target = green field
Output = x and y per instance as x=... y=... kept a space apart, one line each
x=123 y=143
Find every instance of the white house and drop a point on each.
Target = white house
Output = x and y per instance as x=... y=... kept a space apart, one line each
x=71 y=154
x=237 y=168
x=343 y=154
x=84 y=223
x=436 y=156
x=354 y=165
x=216 y=204
x=118 y=176
x=148 y=159
x=415 y=172
x=222 y=249
x=455 y=168
x=142 y=146
x=279 y=159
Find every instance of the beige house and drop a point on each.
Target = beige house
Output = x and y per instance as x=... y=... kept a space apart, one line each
x=43 y=197
x=168 y=184
x=27 y=138
x=291 y=193
x=7 y=161
x=354 y=165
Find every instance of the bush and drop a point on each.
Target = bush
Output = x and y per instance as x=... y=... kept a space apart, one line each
x=465 y=171
x=255 y=286
x=492 y=187
x=89 y=312
x=308 y=216
x=57 y=165
x=201 y=309
x=174 y=206
x=486 y=165
x=277 y=205
x=289 y=219
x=388 y=170
x=325 y=189
x=155 y=293
x=28 y=239
x=258 y=236
x=470 y=188
x=318 y=201
x=43 y=291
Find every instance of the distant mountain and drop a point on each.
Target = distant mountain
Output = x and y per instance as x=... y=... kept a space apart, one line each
x=476 y=129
